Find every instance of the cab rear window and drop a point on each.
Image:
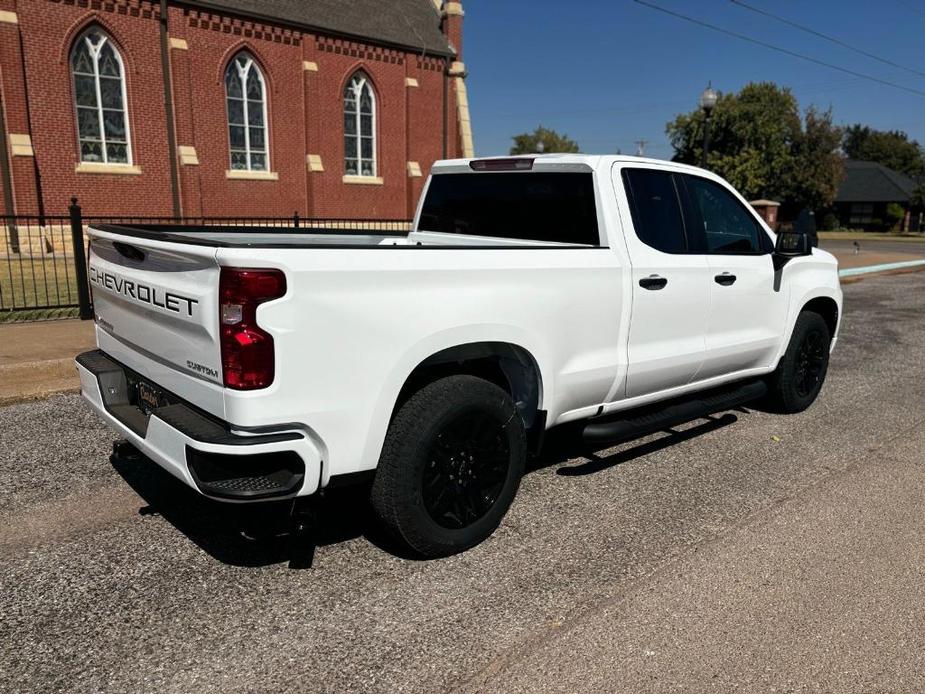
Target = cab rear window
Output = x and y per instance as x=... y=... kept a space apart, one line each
x=541 y=206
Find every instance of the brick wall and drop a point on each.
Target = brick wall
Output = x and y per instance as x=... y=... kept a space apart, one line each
x=305 y=76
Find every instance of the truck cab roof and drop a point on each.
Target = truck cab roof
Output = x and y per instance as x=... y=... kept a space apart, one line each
x=560 y=161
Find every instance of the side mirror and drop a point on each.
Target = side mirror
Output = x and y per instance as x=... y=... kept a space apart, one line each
x=792 y=244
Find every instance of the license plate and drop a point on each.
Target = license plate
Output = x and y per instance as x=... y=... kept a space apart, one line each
x=149 y=397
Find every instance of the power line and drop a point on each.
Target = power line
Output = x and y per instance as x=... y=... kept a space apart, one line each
x=772 y=47
x=910 y=6
x=832 y=39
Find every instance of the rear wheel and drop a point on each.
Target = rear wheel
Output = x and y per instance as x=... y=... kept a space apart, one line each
x=798 y=379
x=450 y=466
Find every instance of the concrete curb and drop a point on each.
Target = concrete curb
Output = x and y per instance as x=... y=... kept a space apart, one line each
x=37 y=379
x=882 y=267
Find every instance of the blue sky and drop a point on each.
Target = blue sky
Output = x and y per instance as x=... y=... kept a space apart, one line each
x=609 y=72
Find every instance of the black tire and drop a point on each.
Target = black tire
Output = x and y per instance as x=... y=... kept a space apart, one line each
x=431 y=499
x=799 y=376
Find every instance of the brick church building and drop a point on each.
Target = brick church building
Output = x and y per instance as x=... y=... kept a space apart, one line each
x=325 y=108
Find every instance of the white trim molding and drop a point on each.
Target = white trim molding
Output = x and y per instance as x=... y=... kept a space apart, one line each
x=465 y=123
x=414 y=169
x=95 y=167
x=453 y=9
x=309 y=66
x=21 y=145
x=188 y=156
x=245 y=175
x=411 y=82
x=7 y=17
x=179 y=44
x=364 y=180
x=313 y=162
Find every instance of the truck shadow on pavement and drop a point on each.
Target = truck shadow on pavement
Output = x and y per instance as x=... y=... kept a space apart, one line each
x=254 y=535
x=595 y=463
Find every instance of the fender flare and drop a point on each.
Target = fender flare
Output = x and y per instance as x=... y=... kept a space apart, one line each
x=796 y=308
x=438 y=342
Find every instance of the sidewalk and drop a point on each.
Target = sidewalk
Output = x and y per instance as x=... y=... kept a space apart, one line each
x=37 y=359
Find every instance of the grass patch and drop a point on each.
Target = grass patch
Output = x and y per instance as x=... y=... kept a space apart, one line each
x=36 y=285
x=34 y=314
x=873 y=236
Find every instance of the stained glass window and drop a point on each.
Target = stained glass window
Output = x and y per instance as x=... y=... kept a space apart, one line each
x=359 y=127
x=245 y=92
x=99 y=97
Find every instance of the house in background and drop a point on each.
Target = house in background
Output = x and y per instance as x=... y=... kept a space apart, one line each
x=333 y=108
x=865 y=193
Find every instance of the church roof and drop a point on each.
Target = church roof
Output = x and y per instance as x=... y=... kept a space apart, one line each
x=411 y=24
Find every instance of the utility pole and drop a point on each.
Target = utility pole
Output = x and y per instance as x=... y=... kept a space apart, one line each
x=641 y=147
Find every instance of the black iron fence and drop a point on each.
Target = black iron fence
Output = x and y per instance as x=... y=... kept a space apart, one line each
x=43 y=270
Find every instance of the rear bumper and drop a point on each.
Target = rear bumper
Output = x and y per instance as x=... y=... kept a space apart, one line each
x=198 y=449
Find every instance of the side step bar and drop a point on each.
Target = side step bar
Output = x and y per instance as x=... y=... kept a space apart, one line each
x=667 y=414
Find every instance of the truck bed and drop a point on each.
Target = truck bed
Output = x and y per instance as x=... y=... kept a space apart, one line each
x=222 y=236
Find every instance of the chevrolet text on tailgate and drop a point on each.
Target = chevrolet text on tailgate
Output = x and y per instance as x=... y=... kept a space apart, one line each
x=626 y=295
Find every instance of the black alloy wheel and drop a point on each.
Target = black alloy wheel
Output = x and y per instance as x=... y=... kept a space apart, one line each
x=450 y=465
x=810 y=362
x=466 y=468
x=799 y=376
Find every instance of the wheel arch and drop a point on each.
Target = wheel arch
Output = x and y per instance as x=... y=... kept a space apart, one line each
x=509 y=366
x=825 y=301
x=826 y=307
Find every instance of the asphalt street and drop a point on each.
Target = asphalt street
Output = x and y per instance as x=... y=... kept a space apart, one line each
x=748 y=552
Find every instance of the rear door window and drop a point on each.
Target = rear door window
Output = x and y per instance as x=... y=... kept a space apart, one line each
x=540 y=206
x=728 y=227
x=656 y=208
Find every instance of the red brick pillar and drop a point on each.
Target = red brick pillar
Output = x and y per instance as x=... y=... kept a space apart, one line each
x=18 y=129
x=183 y=98
x=460 y=130
x=313 y=163
x=452 y=26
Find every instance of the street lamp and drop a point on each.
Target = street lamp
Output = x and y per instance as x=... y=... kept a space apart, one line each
x=707 y=102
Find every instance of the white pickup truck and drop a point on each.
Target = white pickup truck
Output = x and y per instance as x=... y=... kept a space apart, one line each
x=630 y=294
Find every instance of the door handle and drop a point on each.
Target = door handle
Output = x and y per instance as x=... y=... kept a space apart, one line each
x=653 y=282
x=725 y=279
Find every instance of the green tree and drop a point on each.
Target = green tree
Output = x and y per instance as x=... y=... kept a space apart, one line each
x=526 y=143
x=917 y=198
x=760 y=143
x=895 y=214
x=892 y=148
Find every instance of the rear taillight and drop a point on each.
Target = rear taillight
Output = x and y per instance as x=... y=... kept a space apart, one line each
x=247 y=350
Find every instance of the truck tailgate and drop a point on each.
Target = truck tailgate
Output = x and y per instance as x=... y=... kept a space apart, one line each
x=156 y=312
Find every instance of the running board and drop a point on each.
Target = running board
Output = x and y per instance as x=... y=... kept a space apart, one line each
x=667 y=414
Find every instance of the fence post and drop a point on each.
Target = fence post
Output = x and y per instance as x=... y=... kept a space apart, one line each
x=295 y=219
x=80 y=261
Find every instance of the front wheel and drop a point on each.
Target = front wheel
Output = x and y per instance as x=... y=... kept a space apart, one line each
x=450 y=467
x=798 y=379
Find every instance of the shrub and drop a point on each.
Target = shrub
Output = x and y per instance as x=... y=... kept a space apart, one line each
x=830 y=222
x=895 y=214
